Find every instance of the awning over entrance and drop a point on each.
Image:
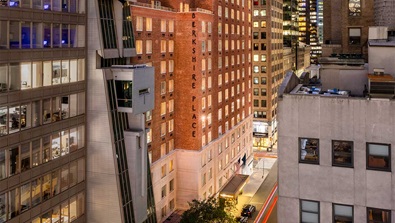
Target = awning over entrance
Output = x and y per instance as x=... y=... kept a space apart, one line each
x=234 y=186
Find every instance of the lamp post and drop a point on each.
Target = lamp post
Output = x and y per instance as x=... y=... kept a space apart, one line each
x=263 y=167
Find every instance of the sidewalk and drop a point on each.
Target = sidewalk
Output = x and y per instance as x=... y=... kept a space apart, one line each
x=256 y=179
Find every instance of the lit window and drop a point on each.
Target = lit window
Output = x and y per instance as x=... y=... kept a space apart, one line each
x=148 y=24
x=171 y=85
x=139 y=47
x=163 y=108
x=163 y=46
x=171 y=125
x=148 y=46
x=139 y=23
x=163 y=26
x=171 y=46
x=171 y=26
x=354 y=7
x=171 y=105
x=171 y=66
x=163 y=67
x=163 y=129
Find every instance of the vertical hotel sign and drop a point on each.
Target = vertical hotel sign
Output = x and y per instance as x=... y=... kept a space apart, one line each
x=193 y=86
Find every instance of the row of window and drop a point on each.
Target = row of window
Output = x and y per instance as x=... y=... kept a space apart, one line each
x=232 y=76
x=165 y=46
x=33 y=193
x=165 y=25
x=171 y=208
x=234 y=14
x=26 y=35
x=234 y=29
x=164 y=189
x=233 y=61
x=32 y=114
x=73 y=6
x=310 y=212
x=378 y=155
x=20 y=158
x=36 y=74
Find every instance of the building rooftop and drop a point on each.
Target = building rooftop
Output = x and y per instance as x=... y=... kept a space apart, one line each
x=377 y=85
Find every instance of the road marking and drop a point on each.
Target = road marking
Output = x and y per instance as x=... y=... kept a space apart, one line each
x=260 y=214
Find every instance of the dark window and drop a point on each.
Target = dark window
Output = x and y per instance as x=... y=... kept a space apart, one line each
x=309 y=211
x=343 y=213
x=124 y=93
x=263 y=92
x=354 y=36
x=309 y=150
x=256 y=46
x=263 y=103
x=128 y=40
x=342 y=153
x=263 y=80
x=256 y=35
x=263 y=46
x=256 y=91
x=256 y=103
x=263 y=35
x=378 y=215
x=378 y=156
x=107 y=24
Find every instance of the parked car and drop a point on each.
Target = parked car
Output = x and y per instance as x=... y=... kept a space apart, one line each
x=242 y=219
x=248 y=210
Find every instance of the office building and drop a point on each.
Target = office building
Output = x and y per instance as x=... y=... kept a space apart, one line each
x=267 y=74
x=346 y=25
x=118 y=174
x=336 y=135
x=290 y=23
x=199 y=131
x=42 y=111
x=309 y=26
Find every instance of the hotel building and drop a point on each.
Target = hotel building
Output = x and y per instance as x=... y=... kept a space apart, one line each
x=200 y=129
x=267 y=69
x=336 y=136
x=42 y=111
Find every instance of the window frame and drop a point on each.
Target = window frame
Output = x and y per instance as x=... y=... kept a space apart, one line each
x=388 y=169
x=333 y=211
x=300 y=209
x=380 y=209
x=299 y=151
x=351 y=165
